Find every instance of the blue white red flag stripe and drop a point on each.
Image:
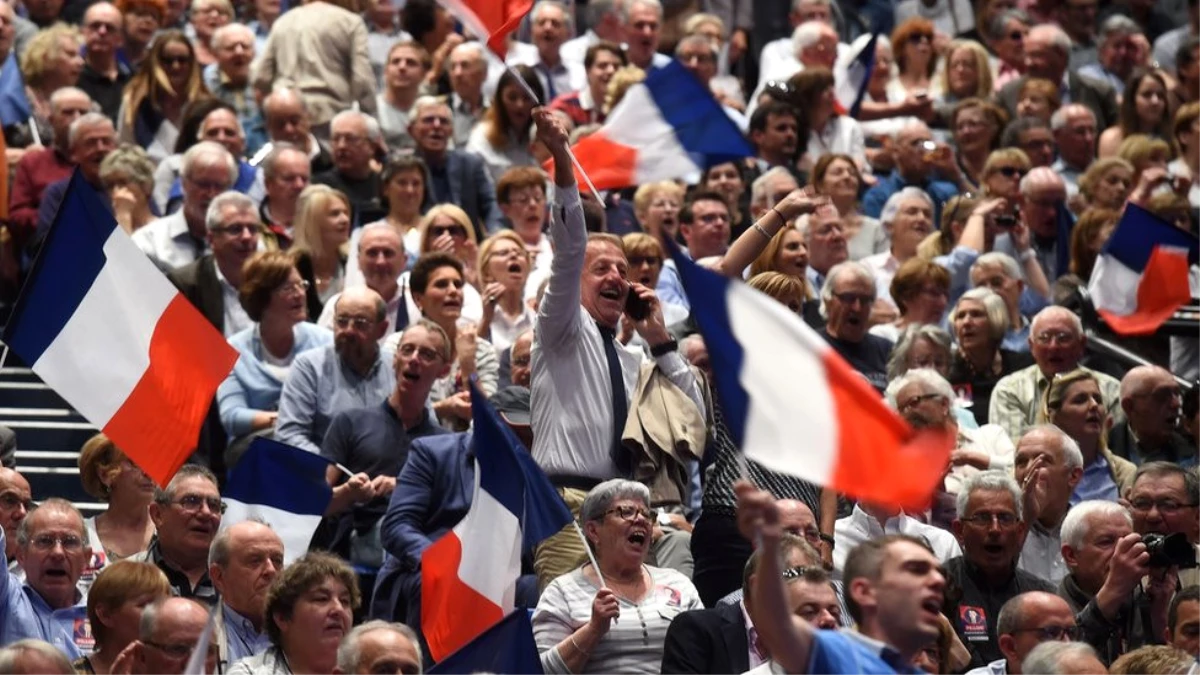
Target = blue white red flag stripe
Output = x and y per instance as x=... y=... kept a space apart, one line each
x=491 y=20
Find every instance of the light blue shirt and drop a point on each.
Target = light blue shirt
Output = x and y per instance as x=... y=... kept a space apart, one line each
x=670 y=287
x=24 y=614
x=1097 y=483
x=320 y=386
x=241 y=640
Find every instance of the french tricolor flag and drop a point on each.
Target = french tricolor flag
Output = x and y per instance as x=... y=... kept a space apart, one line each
x=667 y=127
x=101 y=325
x=795 y=406
x=469 y=576
x=491 y=19
x=854 y=74
x=1141 y=275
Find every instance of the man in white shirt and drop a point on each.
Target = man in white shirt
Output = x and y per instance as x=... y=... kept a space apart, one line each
x=908 y=219
x=1048 y=466
x=871 y=521
x=778 y=58
x=577 y=412
x=551 y=26
x=605 y=23
x=642 y=23
x=814 y=44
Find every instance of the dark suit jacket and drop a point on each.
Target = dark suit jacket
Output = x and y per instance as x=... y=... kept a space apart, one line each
x=1097 y=96
x=198 y=283
x=1177 y=450
x=470 y=188
x=707 y=641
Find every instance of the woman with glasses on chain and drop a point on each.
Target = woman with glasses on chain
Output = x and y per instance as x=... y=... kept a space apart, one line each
x=614 y=617
x=273 y=295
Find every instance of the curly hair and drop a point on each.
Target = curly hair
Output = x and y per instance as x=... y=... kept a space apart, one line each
x=38 y=58
x=309 y=571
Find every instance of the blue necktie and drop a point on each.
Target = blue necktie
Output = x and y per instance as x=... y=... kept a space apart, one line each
x=620 y=404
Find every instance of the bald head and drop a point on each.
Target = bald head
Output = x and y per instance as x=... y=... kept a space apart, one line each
x=795 y=517
x=15 y=500
x=1152 y=401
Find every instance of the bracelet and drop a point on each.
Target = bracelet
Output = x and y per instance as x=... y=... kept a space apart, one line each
x=759 y=229
x=575 y=644
x=781 y=218
x=1028 y=254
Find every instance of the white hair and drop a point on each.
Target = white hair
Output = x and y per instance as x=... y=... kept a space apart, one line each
x=1055 y=310
x=219 y=34
x=1055 y=36
x=1059 y=119
x=987 y=481
x=209 y=153
x=807 y=34
x=204 y=123
x=379 y=226
x=542 y=4
x=625 y=9
x=929 y=379
x=891 y=208
x=236 y=200
x=423 y=102
x=850 y=266
x=1048 y=656
x=92 y=119
x=1004 y=261
x=11 y=655
x=1040 y=175
x=1118 y=25
x=348 y=653
x=1077 y=523
x=1071 y=454
x=63 y=92
x=472 y=46
x=374 y=134
x=758 y=189
x=993 y=306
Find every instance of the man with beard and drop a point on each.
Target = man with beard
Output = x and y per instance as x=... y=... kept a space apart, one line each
x=990 y=528
x=350 y=373
x=186 y=515
x=242 y=562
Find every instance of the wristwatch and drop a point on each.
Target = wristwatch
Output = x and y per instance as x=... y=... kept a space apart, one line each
x=664 y=348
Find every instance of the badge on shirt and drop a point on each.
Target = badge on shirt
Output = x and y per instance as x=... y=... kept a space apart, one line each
x=974 y=623
x=671 y=597
x=82 y=635
x=95 y=564
x=964 y=394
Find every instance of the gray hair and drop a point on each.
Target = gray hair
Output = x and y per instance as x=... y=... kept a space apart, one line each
x=542 y=4
x=891 y=208
x=11 y=654
x=1004 y=261
x=219 y=34
x=165 y=495
x=996 y=27
x=1055 y=310
x=808 y=34
x=696 y=40
x=1047 y=657
x=599 y=498
x=929 y=379
x=852 y=266
x=1190 y=477
x=472 y=46
x=150 y=614
x=625 y=8
x=380 y=226
x=92 y=119
x=237 y=200
x=1011 y=138
x=130 y=161
x=1071 y=454
x=987 y=481
x=595 y=11
x=1040 y=175
x=280 y=93
x=1078 y=520
x=204 y=122
x=374 y=134
x=758 y=189
x=348 y=652
x=993 y=306
x=218 y=550
x=51 y=504
x=277 y=150
x=423 y=102
x=59 y=94
x=898 y=362
x=209 y=154
x=908 y=127
x=1053 y=34
x=1059 y=119
x=1118 y=25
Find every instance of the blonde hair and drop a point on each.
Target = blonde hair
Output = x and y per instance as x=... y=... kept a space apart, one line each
x=36 y=61
x=1140 y=149
x=640 y=243
x=485 y=251
x=620 y=83
x=1056 y=394
x=311 y=207
x=765 y=262
x=648 y=191
x=1091 y=178
x=151 y=83
x=781 y=287
x=692 y=25
x=453 y=213
x=983 y=68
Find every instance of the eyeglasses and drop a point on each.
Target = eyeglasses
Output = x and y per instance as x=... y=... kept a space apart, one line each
x=917 y=38
x=235 y=230
x=794 y=573
x=11 y=500
x=812 y=534
x=1059 y=338
x=176 y=60
x=424 y=354
x=915 y=401
x=851 y=298
x=293 y=287
x=628 y=513
x=207 y=185
x=456 y=231
x=1049 y=633
x=46 y=542
x=1004 y=520
x=180 y=650
x=639 y=260
x=1161 y=395
x=196 y=502
x=348 y=139
x=1016 y=35
x=778 y=89
x=1165 y=506
x=1010 y=172
x=521 y=361
x=712 y=218
x=358 y=322
x=522 y=200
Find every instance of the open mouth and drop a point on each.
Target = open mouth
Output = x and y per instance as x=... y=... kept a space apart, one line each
x=645 y=280
x=610 y=293
x=638 y=537
x=411 y=376
x=515 y=268
x=994 y=549
x=55 y=573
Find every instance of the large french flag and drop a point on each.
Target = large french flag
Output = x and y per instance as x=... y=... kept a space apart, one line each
x=101 y=325
x=667 y=127
x=796 y=407
x=854 y=74
x=469 y=576
x=1141 y=275
x=490 y=19
x=282 y=486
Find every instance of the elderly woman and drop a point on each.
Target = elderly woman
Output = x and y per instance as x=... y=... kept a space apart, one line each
x=979 y=322
x=968 y=74
x=124 y=528
x=50 y=62
x=1002 y=173
x=656 y=206
x=837 y=177
x=504 y=265
x=1073 y=403
x=273 y=295
x=322 y=233
x=1107 y=183
x=114 y=609
x=503 y=138
x=921 y=291
x=310 y=608
x=1144 y=152
x=926 y=346
x=128 y=177
x=204 y=20
x=521 y=194
x=615 y=618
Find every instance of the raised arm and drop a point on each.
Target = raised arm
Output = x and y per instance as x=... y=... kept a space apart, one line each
x=558 y=314
x=755 y=239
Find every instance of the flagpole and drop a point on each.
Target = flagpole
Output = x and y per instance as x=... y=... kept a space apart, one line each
x=574 y=161
x=4 y=355
x=591 y=556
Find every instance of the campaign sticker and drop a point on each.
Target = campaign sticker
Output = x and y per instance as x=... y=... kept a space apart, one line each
x=974 y=623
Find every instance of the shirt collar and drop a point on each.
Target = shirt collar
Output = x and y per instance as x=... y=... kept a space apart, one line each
x=241 y=623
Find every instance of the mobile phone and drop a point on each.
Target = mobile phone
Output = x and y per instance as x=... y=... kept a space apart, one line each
x=1008 y=220
x=635 y=307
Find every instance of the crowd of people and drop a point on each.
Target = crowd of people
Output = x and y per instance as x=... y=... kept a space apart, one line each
x=354 y=196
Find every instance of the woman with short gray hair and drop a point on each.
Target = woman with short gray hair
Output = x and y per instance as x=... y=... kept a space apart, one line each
x=128 y=177
x=615 y=618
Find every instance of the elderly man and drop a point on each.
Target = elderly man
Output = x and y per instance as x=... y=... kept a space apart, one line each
x=229 y=78
x=89 y=139
x=403 y=74
x=1078 y=20
x=1118 y=53
x=16 y=501
x=1047 y=53
x=467 y=71
x=31 y=655
x=773 y=131
x=103 y=77
x=379 y=647
x=455 y=176
x=1074 y=129
x=351 y=373
x=1163 y=500
x=582 y=379
x=699 y=55
x=186 y=516
x=212 y=282
x=1057 y=343
x=169 y=631
x=38 y=169
x=356 y=141
x=642 y=22
x=871 y=521
x=604 y=21
x=1068 y=658
x=768 y=189
x=221 y=126
x=181 y=238
x=1033 y=136
x=586 y=106
x=286 y=172
x=825 y=237
x=242 y=562
x=1043 y=193
x=381 y=259
x=520 y=359
x=551 y=26
x=848 y=294
x=286 y=120
x=375 y=440
x=1048 y=466
x=990 y=527
x=321 y=50
x=1108 y=561
x=1151 y=400
x=704 y=225
x=781 y=58
x=1183 y=620
x=52 y=548
x=999 y=273
x=1025 y=621
x=908 y=218
x=912 y=170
